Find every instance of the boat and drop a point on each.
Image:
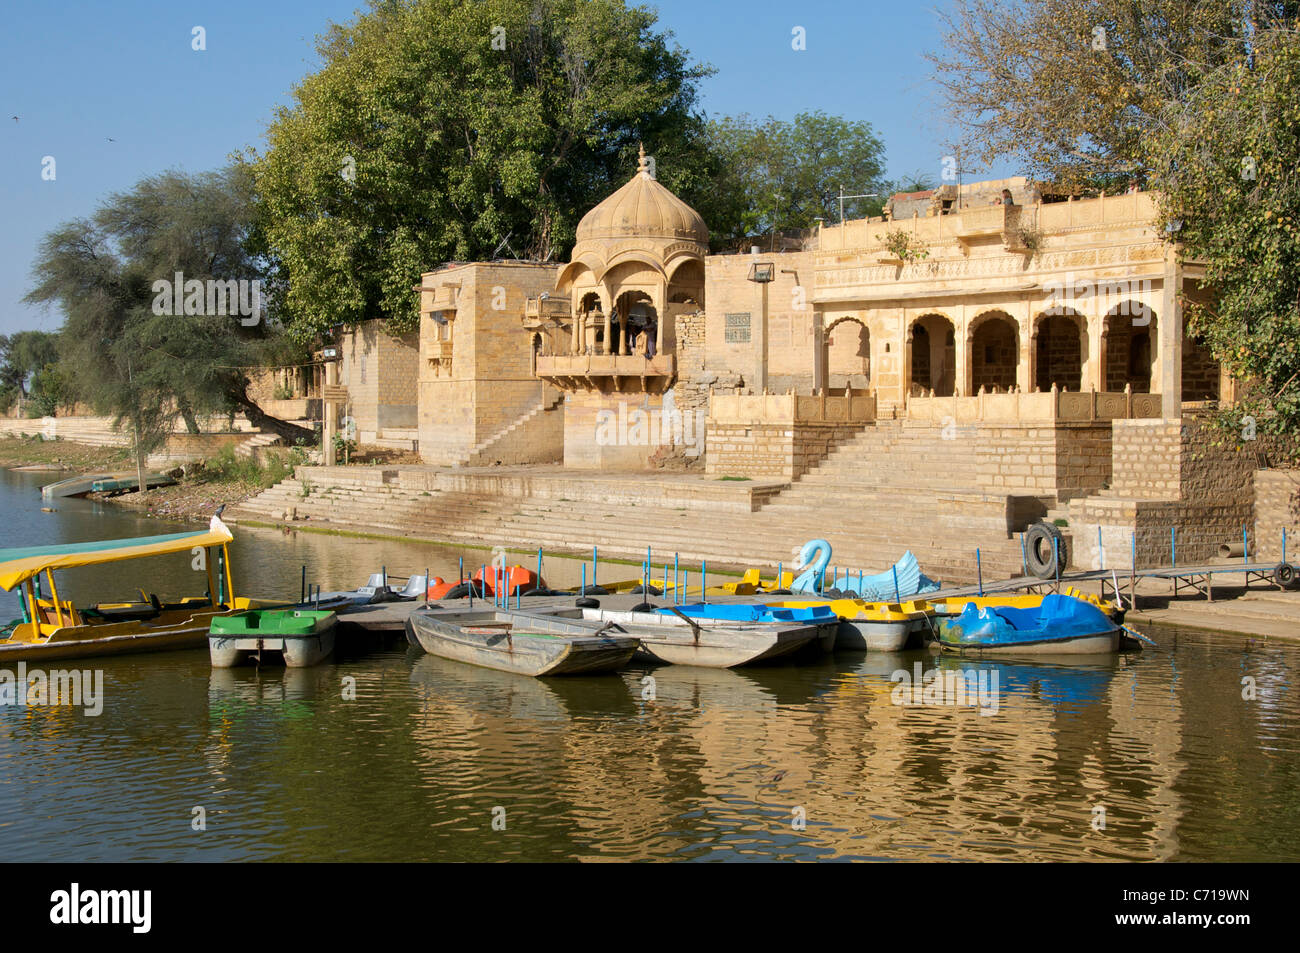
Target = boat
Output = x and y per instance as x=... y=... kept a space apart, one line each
x=901 y=581
x=377 y=589
x=872 y=626
x=954 y=605
x=533 y=644
x=131 y=484
x=1059 y=625
x=302 y=637
x=512 y=580
x=695 y=635
x=52 y=627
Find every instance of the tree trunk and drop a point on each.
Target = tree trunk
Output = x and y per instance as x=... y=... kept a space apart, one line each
x=290 y=434
x=191 y=422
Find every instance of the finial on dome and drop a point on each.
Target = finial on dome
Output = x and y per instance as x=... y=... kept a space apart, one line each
x=642 y=163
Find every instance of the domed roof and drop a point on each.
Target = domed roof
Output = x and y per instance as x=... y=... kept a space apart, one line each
x=643 y=208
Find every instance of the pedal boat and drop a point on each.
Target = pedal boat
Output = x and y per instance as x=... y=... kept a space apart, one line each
x=1059 y=625
x=301 y=637
x=872 y=626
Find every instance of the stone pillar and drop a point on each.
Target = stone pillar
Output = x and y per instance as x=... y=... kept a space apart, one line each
x=623 y=347
x=1170 y=331
x=1094 y=371
x=1025 y=344
x=819 y=351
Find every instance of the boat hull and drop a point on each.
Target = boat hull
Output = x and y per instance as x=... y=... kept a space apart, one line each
x=1100 y=644
x=859 y=635
x=458 y=638
x=671 y=640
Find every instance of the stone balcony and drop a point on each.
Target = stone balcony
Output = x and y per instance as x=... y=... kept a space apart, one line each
x=540 y=311
x=444 y=297
x=439 y=352
x=608 y=372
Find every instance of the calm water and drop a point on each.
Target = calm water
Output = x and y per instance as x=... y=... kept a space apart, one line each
x=717 y=765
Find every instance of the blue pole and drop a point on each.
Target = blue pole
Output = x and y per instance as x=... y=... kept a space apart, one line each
x=1173 y=547
x=979 y=571
x=593 y=565
x=677 y=576
x=780 y=574
x=584 y=579
x=1101 y=551
x=897 y=597
x=539 y=565
x=1283 y=544
x=1245 y=547
x=1056 y=561
x=665 y=578
x=1024 y=557
x=461 y=569
x=1133 y=556
x=704 y=580
x=686 y=583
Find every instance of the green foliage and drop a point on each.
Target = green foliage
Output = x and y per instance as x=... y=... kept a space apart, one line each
x=275 y=466
x=1071 y=89
x=784 y=175
x=1226 y=162
x=28 y=357
x=421 y=141
x=903 y=246
x=122 y=349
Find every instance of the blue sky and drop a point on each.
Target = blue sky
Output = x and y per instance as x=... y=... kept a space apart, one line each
x=78 y=75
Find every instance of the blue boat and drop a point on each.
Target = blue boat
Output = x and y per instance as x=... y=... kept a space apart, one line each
x=1060 y=625
x=823 y=618
x=751 y=612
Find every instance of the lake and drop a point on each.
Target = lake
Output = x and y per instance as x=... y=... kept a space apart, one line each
x=395 y=755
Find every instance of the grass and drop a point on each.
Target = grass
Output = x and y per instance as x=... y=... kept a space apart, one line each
x=735 y=479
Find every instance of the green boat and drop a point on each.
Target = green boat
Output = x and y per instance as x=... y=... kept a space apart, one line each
x=302 y=637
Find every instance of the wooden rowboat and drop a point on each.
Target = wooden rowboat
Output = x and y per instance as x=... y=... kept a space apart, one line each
x=711 y=643
x=524 y=643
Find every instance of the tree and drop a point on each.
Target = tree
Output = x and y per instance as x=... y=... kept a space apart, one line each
x=441 y=129
x=150 y=327
x=1226 y=161
x=1071 y=88
x=781 y=175
x=24 y=358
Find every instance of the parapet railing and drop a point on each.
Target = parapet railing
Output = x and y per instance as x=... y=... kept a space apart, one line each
x=1047 y=406
x=791 y=408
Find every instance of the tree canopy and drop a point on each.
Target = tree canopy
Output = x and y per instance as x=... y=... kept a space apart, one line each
x=1071 y=89
x=27 y=369
x=1227 y=160
x=783 y=175
x=136 y=344
x=438 y=130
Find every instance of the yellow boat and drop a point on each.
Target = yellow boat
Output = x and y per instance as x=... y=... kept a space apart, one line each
x=870 y=626
x=52 y=627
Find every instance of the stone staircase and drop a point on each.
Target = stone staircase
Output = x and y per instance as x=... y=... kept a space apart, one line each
x=247 y=448
x=529 y=438
x=868 y=512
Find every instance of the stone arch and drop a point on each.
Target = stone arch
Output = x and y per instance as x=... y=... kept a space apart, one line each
x=993 y=343
x=637 y=319
x=847 y=354
x=1060 y=349
x=932 y=354
x=1129 y=336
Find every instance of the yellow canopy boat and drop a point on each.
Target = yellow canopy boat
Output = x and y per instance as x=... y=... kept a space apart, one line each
x=52 y=627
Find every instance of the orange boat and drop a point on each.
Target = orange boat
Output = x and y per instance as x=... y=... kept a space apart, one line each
x=510 y=580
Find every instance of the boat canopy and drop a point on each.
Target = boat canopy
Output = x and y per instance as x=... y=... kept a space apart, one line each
x=19 y=565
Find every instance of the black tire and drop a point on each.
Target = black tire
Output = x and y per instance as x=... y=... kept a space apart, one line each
x=1038 y=550
x=595 y=591
x=1284 y=575
x=649 y=590
x=587 y=603
x=832 y=594
x=461 y=590
x=643 y=607
x=780 y=592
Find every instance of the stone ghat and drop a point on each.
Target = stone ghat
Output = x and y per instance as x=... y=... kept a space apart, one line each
x=724 y=522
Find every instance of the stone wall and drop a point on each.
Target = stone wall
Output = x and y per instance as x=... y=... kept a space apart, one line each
x=1277 y=508
x=775 y=451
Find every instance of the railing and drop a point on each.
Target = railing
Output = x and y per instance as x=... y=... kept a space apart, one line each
x=791 y=408
x=544 y=309
x=1045 y=406
x=605 y=365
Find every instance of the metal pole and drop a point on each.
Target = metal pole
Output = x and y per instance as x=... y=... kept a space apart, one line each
x=302 y=589
x=460 y=570
x=1245 y=547
x=780 y=574
x=593 y=566
x=584 y=579
x=676 y=576
x=897 y=596
x=704 y=580
x=1056 y=562
x=426 y=583
x=539 y=567
x=1101 y=550
x=1024 y=557
x=1173 y=547
x=979 y=572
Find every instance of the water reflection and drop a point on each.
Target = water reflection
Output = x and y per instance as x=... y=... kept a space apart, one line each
x=696 y=764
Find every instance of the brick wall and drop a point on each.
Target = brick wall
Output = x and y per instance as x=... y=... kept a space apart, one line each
x=771 y=451
x=1277 y=507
